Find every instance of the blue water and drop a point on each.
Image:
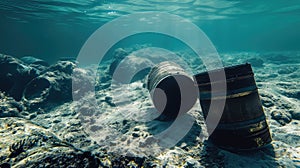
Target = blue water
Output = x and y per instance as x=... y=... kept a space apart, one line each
x=50 y=29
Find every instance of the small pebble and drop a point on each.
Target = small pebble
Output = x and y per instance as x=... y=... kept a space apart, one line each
x=135 y=135
x=136 y=129
x=281 y=117
x=95 y=128
x=56 y=121
x=267 y=103
x=32 y=116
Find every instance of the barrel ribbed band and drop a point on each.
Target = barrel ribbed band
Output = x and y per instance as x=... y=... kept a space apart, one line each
x=244 y=124
x=230 y=93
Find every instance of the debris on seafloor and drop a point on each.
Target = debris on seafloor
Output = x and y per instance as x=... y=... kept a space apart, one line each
x=243 y=124
x=59 y=133
x=172 y=90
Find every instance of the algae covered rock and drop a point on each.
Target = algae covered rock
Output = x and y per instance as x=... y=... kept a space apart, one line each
x=38 y=85
x=14 y=75
x=24 y=144
x=131 y=69
x=32 y=60
x=9 y=107
x=281 y=117
x=52 y=87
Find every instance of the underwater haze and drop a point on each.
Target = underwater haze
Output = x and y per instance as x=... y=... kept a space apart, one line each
x=50 y=29
x=124 y=83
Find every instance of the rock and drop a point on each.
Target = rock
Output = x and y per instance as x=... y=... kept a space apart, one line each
x=136 y=135
x=53 y=84
x=105 y=162
x=127 y=68
x=39 y=64
x=5 y=165
x=56 y=158
x=82 y=82
x=56 y=121
x=16 y=75
x=52 y=87
x=281 y=117
x=37 y=147
x=191 y=162
x=72 y=59
x=295 y=114
x=63 y=66
x=118 y=55
x=122 y=161
x=109 y=101
x=113 y=67
x=32 y=60
x=95 y=128
x=32 y=116
x=131 y=69
x=271 y=75
x=87 y=110
x=9 y=107
x=136 y=129
x=267 y=103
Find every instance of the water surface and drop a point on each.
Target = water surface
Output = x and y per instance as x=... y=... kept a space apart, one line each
x=50 y=29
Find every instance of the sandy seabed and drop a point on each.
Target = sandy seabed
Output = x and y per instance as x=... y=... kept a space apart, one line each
x=114 y=126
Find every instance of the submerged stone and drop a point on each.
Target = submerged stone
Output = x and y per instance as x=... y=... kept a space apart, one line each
x=9 y=107
x=14 y=75
x=33 y=60
x=281 y=117
x=35 y=146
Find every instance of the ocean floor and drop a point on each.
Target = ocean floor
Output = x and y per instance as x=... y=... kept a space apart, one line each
x=114 y=126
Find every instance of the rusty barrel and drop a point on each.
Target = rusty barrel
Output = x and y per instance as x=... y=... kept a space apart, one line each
x=172 y=90
x=243 y=123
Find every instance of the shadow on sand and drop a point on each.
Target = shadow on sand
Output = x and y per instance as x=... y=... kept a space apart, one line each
x=174 y=133
x=213 y=156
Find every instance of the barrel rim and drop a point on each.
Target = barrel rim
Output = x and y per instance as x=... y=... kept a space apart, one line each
x=232 y=79
x=174 y=71
x=168 y=76
x=246 y=68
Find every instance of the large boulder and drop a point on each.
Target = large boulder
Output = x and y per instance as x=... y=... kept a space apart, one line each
x=57 y=85
x=14 y=75
x=53 y=87
x=9 y=107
